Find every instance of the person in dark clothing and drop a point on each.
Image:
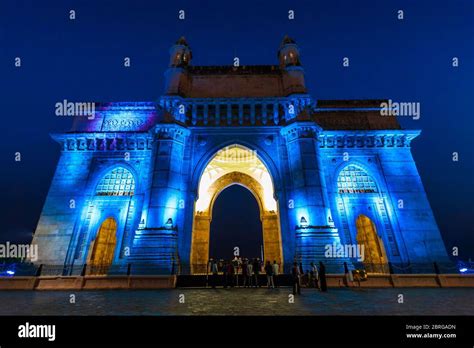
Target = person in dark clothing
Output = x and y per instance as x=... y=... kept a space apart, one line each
x=322 y=277
x=230 y=274
x=244 y=273
x=348 y=279
x=301 y=277
x=295 y=273
x=249 y=273
x=256 y=271
x=269 y=273
x=314 y=275
x=224 y=273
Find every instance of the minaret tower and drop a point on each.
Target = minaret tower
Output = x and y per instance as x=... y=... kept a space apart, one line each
x=290 y=63
x=176 y=77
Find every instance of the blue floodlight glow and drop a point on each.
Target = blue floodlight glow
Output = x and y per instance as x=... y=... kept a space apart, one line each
x=157 y=176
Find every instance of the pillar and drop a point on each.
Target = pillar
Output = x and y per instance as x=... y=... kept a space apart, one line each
x=309 y=213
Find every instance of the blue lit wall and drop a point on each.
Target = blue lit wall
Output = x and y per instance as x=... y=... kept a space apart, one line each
x=167 y=160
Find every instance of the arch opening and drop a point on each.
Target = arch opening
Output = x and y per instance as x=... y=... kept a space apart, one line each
x=375 y=257
x=235 y=230
x=102 y=248
x=231 y=165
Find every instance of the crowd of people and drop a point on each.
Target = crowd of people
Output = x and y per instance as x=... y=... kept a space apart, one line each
x=243 y=272
x=246 y=273
x=312 y=278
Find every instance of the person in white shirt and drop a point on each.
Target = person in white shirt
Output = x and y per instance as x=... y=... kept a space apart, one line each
x=276 y=272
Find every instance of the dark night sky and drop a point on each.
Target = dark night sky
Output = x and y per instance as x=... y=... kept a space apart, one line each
x=235 y=223
x=82 y=60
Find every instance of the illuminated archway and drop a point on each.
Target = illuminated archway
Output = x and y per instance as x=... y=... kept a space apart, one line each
x=235 y=165
x=375 y=258
x=101 y=252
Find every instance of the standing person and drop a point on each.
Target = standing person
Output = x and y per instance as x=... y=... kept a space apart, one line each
x=256 y=271
x=269 y=272
x=235 y=265
x=215 y=272
x=276 y=271
x=239 y=269
x=220 y=264
x=348 y=279
x=306 y=279
x=322 y=277
x=249 y=272
x=315 y=275
x=301 y=273
x=244 y=273
x=209 y=265
x=295 y=272
x=209 y=271
x=230 y=274
x=224 y=273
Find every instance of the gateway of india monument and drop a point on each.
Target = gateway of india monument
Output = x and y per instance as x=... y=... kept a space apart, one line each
x=137 y=182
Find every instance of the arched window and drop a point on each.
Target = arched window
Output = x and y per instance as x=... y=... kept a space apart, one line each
x=353 y=179
x=118 y=182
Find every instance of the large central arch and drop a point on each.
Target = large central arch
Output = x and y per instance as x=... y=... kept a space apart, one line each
x=233 y=165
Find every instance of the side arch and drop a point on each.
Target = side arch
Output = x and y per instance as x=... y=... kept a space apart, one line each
x=102 y=249
x=377 y=204
x=375 y=256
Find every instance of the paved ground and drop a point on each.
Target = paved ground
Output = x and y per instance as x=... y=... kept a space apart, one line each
x=240 y=302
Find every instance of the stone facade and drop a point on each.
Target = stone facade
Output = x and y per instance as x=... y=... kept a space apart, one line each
x=304 y=144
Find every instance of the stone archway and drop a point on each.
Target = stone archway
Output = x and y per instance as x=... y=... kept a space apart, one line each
x=375 y=257
x=102 y=249
x=222 y=172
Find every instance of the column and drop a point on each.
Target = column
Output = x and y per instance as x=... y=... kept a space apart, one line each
x=229 y=114
x=310 y=212
x=157 y=243
x=252 y=113
x=218 y=114
x=241 y=113
x=264 y=113
x=206 y=114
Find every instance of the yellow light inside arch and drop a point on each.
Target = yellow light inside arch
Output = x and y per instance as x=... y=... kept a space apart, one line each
x=235 y=158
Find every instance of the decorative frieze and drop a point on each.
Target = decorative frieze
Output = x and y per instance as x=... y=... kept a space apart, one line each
x=171 y=131
x=235 y=111
x=104 y=141
x=300 y=130
x=366 y=139
x=122 y=124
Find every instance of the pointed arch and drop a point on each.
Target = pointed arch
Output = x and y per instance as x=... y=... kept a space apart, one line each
x=102 y=248
x=375 y=257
